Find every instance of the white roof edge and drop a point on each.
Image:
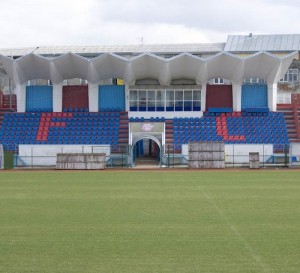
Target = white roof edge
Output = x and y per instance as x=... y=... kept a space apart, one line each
x=129 y=69
x=135 y=49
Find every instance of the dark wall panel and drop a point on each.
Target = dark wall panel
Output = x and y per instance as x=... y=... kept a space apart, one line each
x=75 y=96
x=218 y=96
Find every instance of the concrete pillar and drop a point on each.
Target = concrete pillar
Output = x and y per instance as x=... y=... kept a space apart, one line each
x=57 y=97
x=203 y=97
x=272 y=96
x=127 y=97
x=237 y=96
x=21 y=97
x=93 y=97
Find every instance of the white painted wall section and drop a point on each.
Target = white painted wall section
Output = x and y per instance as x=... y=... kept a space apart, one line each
x=203 y=97
x=93 y=97
x=239 y=153
x=21 y=97
x=127 y=98
x=45 y=155
x=166 y=115
x=272 y=96
x=57 y=97
x=236 y=97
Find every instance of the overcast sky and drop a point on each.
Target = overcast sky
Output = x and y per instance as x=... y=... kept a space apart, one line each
x=114 y=22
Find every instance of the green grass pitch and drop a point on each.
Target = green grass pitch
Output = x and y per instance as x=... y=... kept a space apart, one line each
x=150 y=221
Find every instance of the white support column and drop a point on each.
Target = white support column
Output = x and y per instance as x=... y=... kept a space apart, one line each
x=272 y=96
x=237 y=96
x=203 y=97
x=93 y=97
x=57 y=97
x=127 y=97
x=21 y=97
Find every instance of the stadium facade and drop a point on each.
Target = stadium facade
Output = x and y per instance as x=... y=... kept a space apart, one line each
x=157 y=91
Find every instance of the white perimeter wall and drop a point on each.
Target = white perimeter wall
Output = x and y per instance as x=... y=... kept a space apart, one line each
x=295 y=154
x=239 y=153
x=45 y=155
x=295 y=149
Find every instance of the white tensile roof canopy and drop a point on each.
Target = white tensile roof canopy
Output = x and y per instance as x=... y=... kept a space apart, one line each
x=225 y=65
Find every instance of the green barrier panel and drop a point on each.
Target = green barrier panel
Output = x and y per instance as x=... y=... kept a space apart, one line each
x=8 y=160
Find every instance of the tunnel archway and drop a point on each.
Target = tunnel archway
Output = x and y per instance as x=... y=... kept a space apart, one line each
x=146 y=150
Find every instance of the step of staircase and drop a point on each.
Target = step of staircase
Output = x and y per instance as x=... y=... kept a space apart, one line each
x=289 y=116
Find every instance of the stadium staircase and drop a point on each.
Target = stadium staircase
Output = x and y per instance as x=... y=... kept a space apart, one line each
x=169 y=135
x=291 y=114
x=7 y=104
x=123 y=129
x=1 y=119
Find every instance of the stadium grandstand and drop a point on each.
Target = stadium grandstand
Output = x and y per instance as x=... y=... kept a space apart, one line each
x=147 y=102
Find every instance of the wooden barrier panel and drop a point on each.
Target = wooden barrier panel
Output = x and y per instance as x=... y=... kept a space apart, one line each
x=206 y=155
x=80 y=161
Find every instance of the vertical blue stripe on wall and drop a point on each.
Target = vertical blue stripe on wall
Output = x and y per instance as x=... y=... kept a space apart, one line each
x=111 y=97
x=254 y=96
x=39 y=98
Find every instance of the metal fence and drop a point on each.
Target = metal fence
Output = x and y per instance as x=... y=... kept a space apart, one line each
x=120 y=156
x=294 y=155
x=269 y=155
x=33 y=156
x=237 y=155
x=1 y=157
x=172 y=156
